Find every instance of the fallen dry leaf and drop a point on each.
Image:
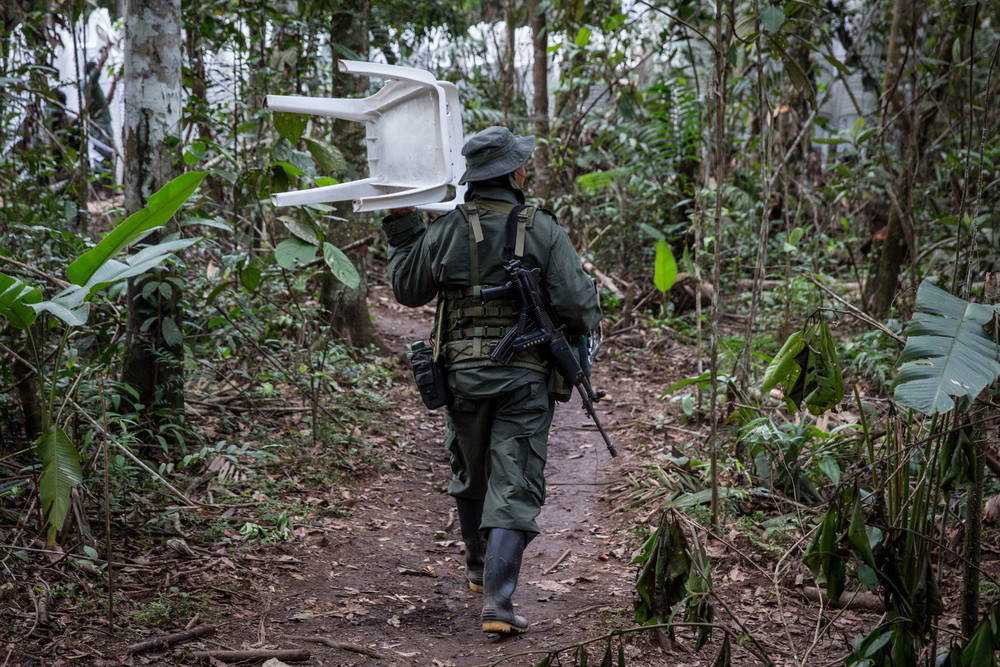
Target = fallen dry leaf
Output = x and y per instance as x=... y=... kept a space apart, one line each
x=551 y=586
x=715 y=549
x=992 y=510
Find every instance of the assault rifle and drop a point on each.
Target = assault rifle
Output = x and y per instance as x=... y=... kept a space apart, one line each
x=536 y=325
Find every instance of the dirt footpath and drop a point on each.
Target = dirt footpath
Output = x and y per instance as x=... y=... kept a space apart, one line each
x=390 y=578
x=375 y=575
x=385 y=585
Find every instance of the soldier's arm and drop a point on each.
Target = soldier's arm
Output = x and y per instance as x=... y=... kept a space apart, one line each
x=409 y=267
x=571 y=291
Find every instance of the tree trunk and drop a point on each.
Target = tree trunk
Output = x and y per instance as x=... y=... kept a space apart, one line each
x=152 y=366
x=886 y=264
x=347 y=309
x=507 y=65
x=540 y=103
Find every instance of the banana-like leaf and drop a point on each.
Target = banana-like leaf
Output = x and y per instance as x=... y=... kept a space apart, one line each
x=60 y=473
x=75 y=317
x=15 y=300
x=162 y=204
x=949 y=357
x=69 y=305
x=114 y=271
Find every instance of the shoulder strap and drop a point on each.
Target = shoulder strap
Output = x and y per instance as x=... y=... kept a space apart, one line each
x=471 y=213
x=520 y=218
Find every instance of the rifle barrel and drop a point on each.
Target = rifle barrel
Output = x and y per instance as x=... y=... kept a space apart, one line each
x=588 y=407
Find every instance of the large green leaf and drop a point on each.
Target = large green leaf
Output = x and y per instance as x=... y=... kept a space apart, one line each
x=290 y=126
x=799 y=77
x=665 y=267
x=304 y=230
x=823 y=383
x=60 y=473
x=596 y=181
x=15 y=298
x=162 y=204
x=783 y=367
x=949 y=357
x=292 y=252
x=327 y=156
x=746 y=26
x=772 y=18
x=807 y=363
x=341 y=266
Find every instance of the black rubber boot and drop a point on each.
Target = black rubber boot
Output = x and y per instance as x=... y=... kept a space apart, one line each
x=470 y=513
x=503 y=565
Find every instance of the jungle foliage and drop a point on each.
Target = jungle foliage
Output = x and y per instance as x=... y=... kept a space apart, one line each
x=822 y=173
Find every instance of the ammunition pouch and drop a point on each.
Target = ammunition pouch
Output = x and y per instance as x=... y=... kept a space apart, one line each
x=432 y=382
x=472 y=329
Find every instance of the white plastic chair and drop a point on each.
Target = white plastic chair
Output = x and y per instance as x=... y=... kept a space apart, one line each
x=413 y=129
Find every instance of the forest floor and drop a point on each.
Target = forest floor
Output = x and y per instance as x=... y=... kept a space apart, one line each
x=374 y=572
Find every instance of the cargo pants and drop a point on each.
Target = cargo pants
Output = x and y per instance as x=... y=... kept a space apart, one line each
x=498 y=447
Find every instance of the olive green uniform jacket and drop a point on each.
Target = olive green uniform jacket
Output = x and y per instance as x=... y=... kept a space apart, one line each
x=498 y=425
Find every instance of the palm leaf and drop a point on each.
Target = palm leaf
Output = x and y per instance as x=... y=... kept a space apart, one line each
x=60 y=473
x=949 y=357
x=162 y=204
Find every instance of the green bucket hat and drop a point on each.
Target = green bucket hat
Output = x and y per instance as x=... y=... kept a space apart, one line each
x=495 y=151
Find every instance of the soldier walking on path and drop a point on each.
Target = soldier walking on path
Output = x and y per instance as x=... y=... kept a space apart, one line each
x=499 y=416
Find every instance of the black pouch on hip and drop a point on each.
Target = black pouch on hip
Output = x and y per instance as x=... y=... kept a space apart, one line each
x=429 y=376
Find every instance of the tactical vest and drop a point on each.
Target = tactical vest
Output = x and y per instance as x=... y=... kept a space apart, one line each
x=466 y=329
